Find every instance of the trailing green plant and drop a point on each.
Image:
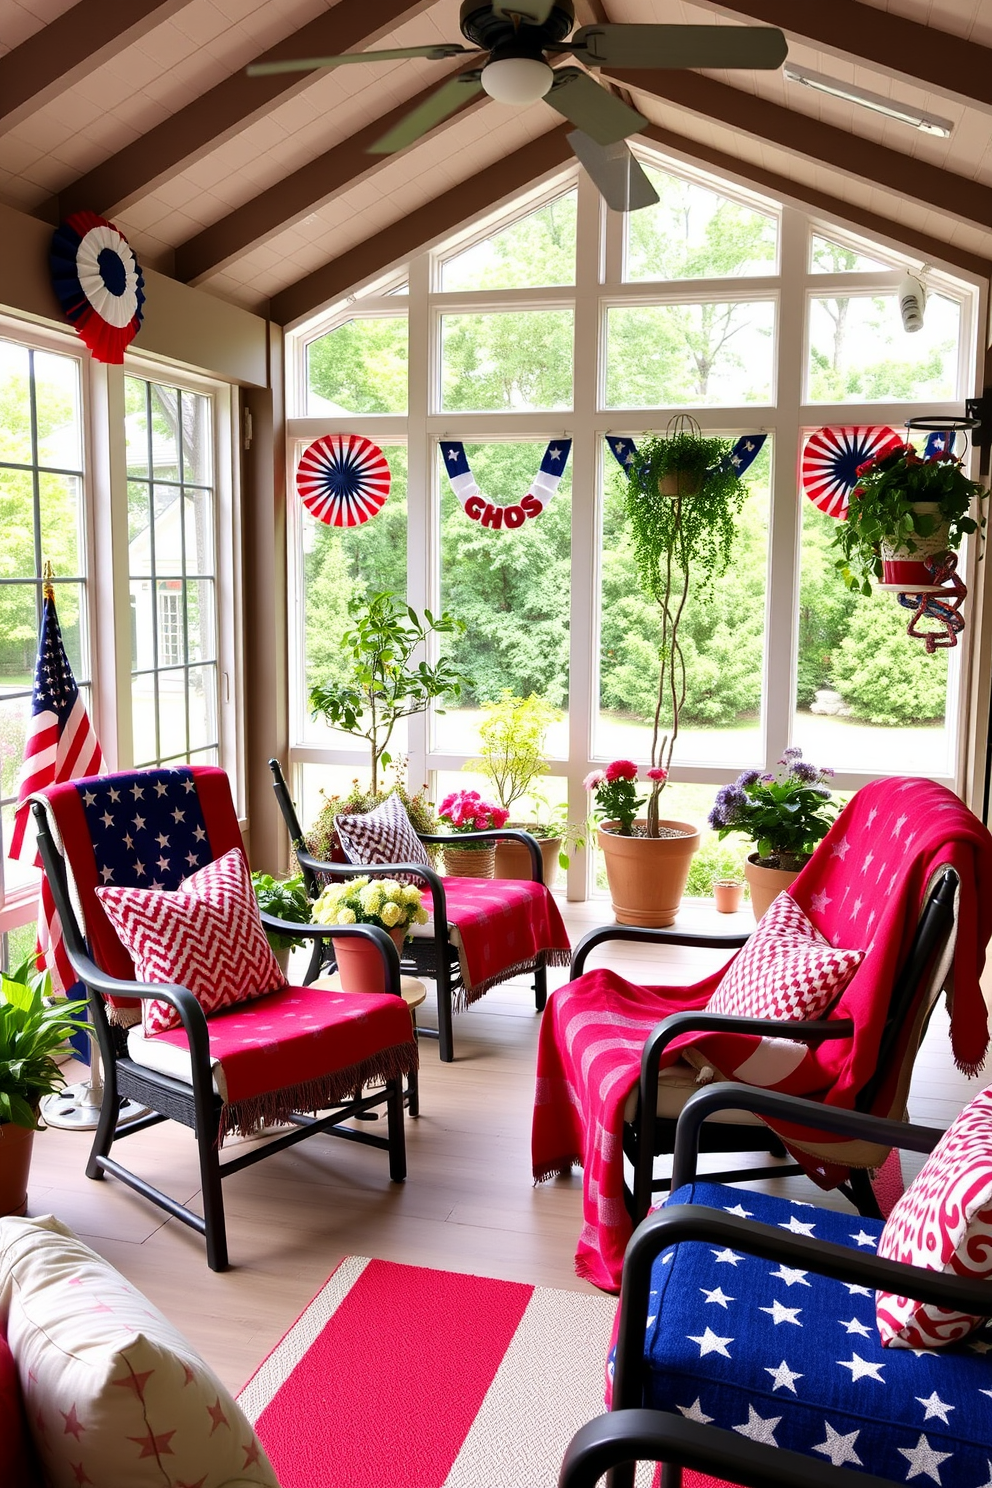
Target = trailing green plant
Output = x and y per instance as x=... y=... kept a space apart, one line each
x=32 y=1031
x=322 y=838
x=285 y=899
x=677 y=540
x=882 y=509
x=384 y=684
x=552 y=821
x=784 y=815
x=513 y=732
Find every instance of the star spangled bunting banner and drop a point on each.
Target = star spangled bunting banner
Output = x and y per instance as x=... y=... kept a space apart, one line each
x=343 y=479
x=479 y=509
x=831 y=459
x=743 y=454
x=940 y=442
x=61 y=744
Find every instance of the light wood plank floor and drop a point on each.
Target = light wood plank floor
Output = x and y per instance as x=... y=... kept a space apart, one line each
x=467 y=1205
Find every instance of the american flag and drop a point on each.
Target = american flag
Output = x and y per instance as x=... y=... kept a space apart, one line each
x=61 y=745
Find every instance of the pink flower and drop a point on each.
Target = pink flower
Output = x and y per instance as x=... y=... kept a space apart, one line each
x=621 y=769
x=499 y=815
x=594 y=778
x=657 y=773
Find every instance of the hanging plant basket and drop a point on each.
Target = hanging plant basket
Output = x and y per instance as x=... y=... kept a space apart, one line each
x=903 y=568
x=680 y=483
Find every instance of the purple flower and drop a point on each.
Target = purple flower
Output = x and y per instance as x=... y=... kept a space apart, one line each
x=792 y=753
x=804 y=772
x=747 y=779
x=767 y=779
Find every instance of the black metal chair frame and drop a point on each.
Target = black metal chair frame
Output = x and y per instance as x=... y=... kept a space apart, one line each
x=651 y=1135
x=197 y=1105
x=430 y=956
x=630 y=1432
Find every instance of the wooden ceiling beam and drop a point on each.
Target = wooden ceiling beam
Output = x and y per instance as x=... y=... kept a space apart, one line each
x=300 y=193
x=929 y=248
x=75 y=44
x=923 y=55
x=191 y=132
x=942 y=190
x=409 y=234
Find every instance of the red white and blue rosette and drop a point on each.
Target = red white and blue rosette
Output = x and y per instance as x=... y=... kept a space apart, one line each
x=98 y=283
x=343 y=479
x=831 y=459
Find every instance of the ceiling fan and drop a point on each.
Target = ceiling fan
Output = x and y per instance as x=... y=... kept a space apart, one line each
x=514 y=37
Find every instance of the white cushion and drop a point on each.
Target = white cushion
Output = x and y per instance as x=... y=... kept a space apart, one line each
x=115 y=1396
x=169 y=1059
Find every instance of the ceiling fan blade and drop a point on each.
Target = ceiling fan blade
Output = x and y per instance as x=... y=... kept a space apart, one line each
x=591 y=108
x=681 y=46
x=531 y=12
x=446 y=101
x=435 y=53
x=615 y=173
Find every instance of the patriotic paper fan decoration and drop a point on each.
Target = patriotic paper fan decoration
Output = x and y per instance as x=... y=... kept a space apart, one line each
x=343 y=479
x=98 y=283
x=831 y=459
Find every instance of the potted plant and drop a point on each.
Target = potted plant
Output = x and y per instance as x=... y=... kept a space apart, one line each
x=682 y=495
x=284 y=899
x=385 y=902
x=384 y=684
x=32 y=1032
x=466 y=811
x=785 y=815
x=904 y=510
x=513 y=733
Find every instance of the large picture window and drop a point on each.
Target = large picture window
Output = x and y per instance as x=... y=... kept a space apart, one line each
x=559 y=320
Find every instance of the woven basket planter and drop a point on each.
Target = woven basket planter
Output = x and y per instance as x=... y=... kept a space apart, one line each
x=470 y=862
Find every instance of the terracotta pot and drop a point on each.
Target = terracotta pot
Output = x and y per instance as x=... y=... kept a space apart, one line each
x=15 y=1160
x=513 y=859
x=905 y=570
x=359 y=963
x=647 y=875
x=470 y=862
x=766 y=883
x=728 y=895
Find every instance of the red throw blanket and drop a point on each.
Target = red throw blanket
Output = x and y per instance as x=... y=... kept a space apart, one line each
x=303 y=1049
x=863 y=889
x=504 y=926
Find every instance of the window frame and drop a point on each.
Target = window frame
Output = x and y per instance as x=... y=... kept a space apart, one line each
x=600 y=286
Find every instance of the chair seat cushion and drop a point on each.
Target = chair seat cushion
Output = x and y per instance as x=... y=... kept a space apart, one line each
x=206 y=936
x=505 y=926
x=787 y=1357
x=302 y=1049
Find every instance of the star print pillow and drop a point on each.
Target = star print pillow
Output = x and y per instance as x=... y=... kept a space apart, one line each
x=787 y=970
x=943 y=1222
x=206 y=936
x=115 y=1396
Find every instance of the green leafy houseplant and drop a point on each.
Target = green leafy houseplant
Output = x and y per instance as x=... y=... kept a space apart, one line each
x=679 y=538
x=785 y=815
x=285 y=899
x=513 y=732
x=385 y=684
x=882 y=509
x=31 y=1033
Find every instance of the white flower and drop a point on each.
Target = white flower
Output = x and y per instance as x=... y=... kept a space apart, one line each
x=421 y=916
x=390 y=914
x=371 y=898
x=412 y=895
x=345 y=916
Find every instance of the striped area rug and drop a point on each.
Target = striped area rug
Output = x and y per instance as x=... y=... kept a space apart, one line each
x=430 y=1379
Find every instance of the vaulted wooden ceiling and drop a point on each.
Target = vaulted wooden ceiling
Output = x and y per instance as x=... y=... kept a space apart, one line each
x=260 y=190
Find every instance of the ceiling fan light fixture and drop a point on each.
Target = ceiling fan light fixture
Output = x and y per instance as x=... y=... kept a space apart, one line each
x=517 y=80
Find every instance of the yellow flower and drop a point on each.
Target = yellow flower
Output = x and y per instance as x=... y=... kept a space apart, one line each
x=371 y=898
x=354 y=883
x=421 y=916
x=390 y=914
x=391 y=890
x=345 y=916
x=412 y=895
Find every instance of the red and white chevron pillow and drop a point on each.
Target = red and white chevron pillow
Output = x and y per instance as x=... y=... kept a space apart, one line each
x=206 y=935
x=786 y=970
x=943 y=1222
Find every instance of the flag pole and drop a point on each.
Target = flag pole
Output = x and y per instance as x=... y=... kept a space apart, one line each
x=77 y=1107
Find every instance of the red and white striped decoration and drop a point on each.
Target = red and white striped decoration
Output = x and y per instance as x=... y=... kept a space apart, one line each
x=831 y=459
x=343 y=479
